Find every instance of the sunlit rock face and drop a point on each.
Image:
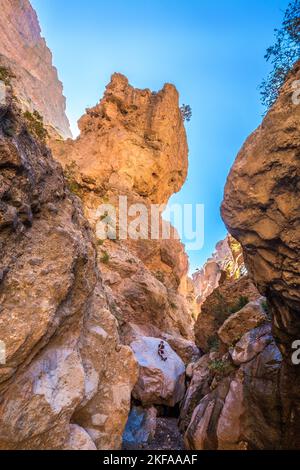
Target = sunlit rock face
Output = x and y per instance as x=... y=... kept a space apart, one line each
x=133 y=144
x=65 y=379
x=229 y=296
x=227 y=260
x=132 y=140
x=261 y=210
x=25 y=52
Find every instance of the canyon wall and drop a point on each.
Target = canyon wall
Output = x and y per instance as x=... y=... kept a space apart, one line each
x=65 y=378
x=244 y=391
x=227 y=261
x=25 y=52
x=83 y=318
x=261 y=209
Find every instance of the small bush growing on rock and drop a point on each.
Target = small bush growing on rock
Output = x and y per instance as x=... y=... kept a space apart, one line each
x=35 y=125
x=69 y=173
x=105 y=258
x=283 y=54
x=221 y=367
x=186 y=112
x=213 y=343
x=6 y=75
x=243 y=300
x=267 y=309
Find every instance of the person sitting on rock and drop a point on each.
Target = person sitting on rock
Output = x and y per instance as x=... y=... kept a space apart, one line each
x=161 y=351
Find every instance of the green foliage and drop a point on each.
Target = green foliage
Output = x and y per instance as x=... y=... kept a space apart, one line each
x=35 y=125
x=173 y=306
x=100 y=242
x=213 y=343
x=186 y=112
x=105 y=258
x=267 y=309
x=6 y=75
x=243 y=300
x=70 y=176
x=221 y=367
x=283 y=54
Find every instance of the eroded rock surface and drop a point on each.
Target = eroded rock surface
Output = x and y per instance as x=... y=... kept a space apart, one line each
x=133 y=144
x=64 y=361
x=261 y=209
x=25 y=52
x=229 y=297
x=226 y=261
x=161 y=379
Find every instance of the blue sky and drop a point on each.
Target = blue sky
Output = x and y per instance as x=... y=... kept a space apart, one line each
x=212 y=51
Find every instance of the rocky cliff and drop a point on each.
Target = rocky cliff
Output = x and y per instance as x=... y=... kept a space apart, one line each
x=261 y=209
x=65 y=378
x=80 y=313
x=25 y=52
x=133 y=144
x=227 y=261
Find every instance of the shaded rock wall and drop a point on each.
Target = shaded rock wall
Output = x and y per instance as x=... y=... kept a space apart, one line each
x=261 y=209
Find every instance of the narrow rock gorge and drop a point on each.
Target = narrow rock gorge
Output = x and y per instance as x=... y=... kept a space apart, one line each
x=106 y=343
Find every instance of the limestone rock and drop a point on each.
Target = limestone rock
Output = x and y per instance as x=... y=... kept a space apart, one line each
x=243 y=411
x=139 y=145
x=261 y=210
x=226 y=260
x=79 y=439
x=24 y=51
x=197 y=389
x=160 y=382
x=246 y=319
x=186 y=350
x=54 y=312
x=229 y=297
x=133 y=144
x=252 y=343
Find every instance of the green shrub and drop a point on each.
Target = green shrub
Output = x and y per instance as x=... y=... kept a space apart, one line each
x=213 y=343
x=221 y=367
x=243 y=300
x=105 y=258
x=70 y=176
x=6 y=75
x=267 y=309
x=35 y=125
x=283 y=54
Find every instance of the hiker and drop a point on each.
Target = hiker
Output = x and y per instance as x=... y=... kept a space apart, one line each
x=161 y=351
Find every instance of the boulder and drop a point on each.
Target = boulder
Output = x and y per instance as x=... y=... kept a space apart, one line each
x=79 y=439
x=201 y=378
x=244 y=410
x=239 y=323
x=160 y=382
x=226 y=299
x=186 y=349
